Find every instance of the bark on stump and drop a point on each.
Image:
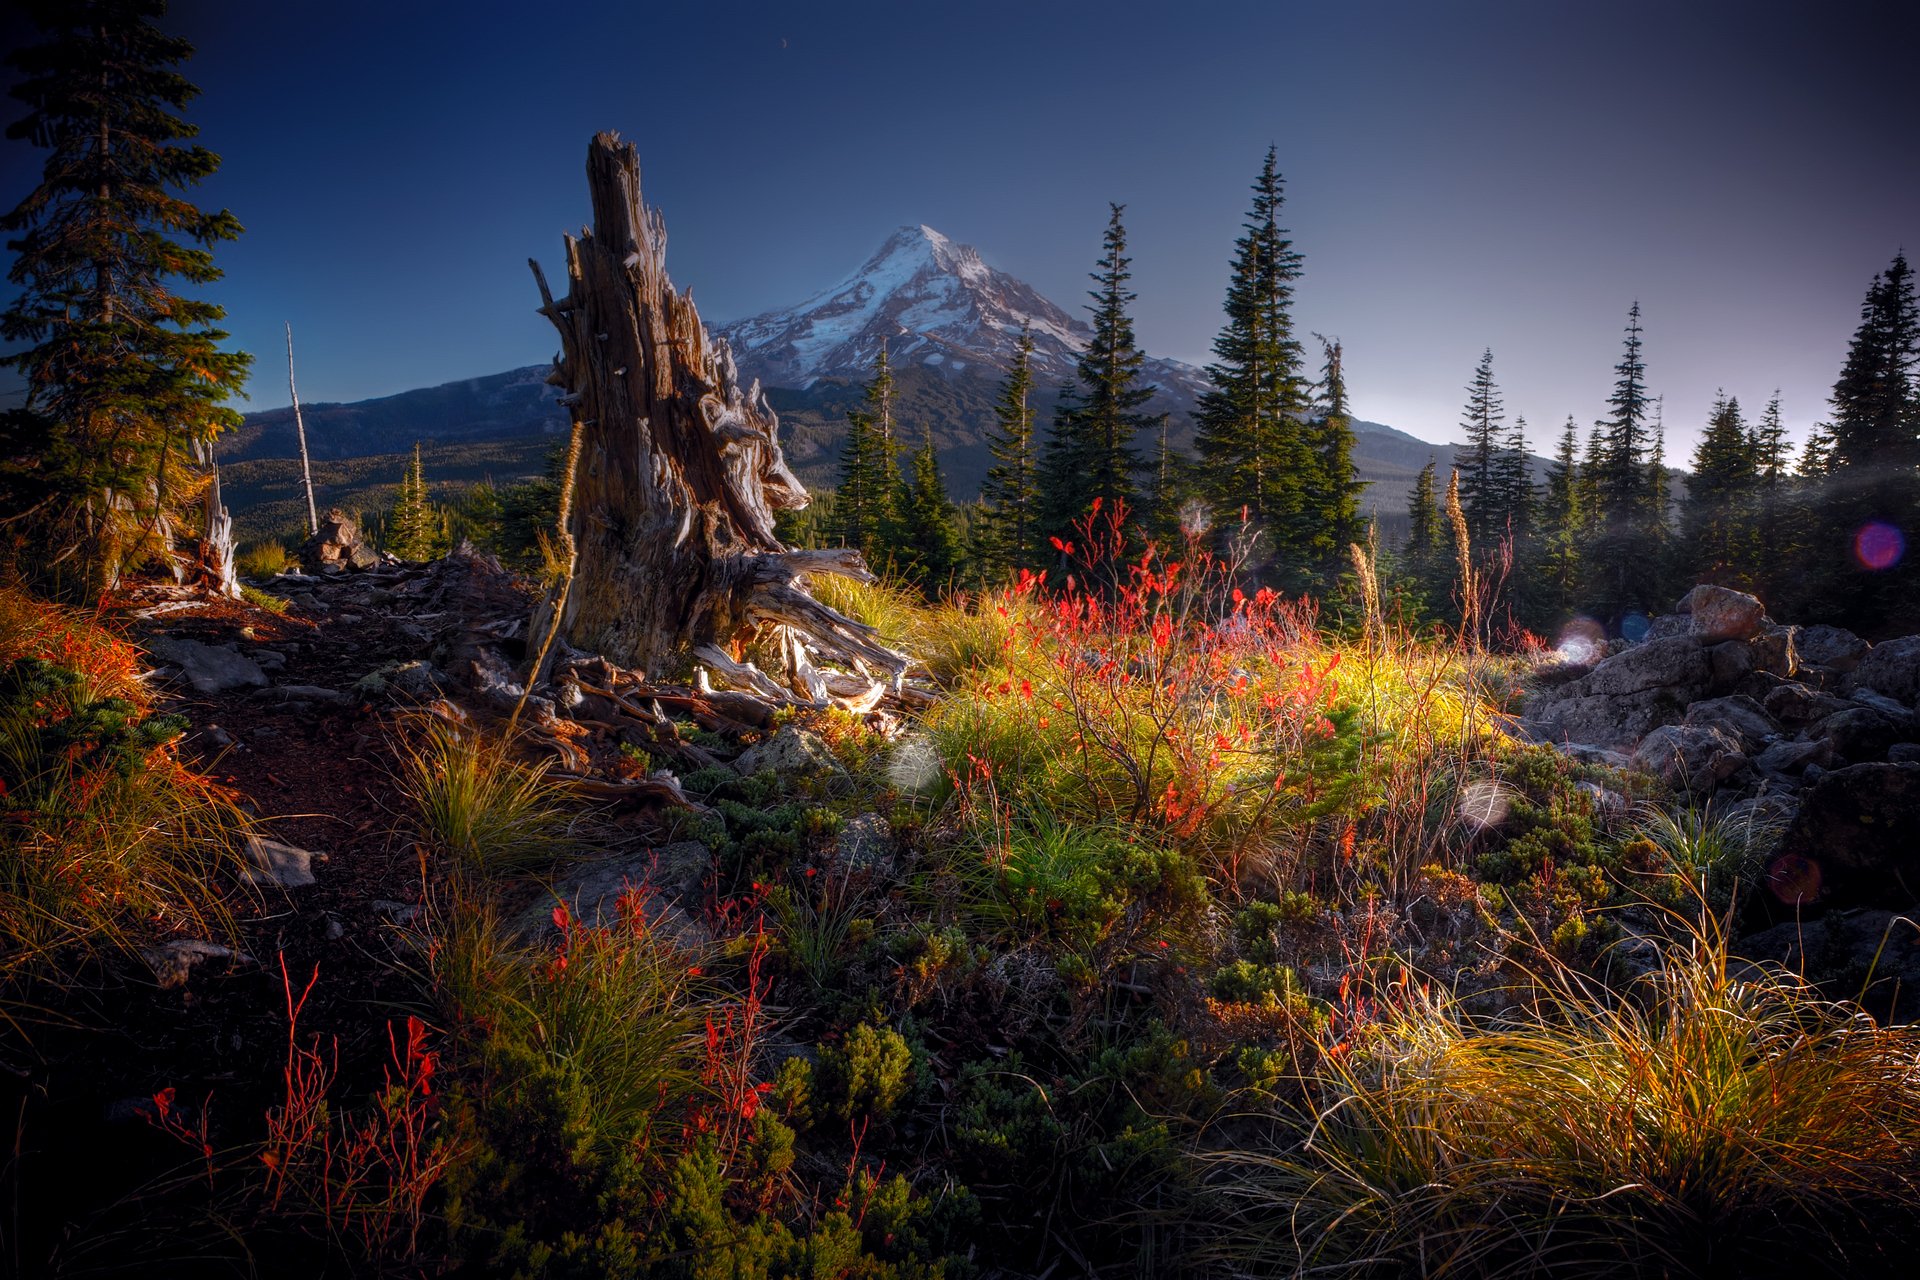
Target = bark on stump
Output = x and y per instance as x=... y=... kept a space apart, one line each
x=678 y=475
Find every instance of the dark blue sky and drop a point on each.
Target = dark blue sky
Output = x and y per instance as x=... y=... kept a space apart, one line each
x=1460 y=176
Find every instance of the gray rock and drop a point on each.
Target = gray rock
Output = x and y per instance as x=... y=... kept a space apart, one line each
x=209 y=668
x=398 y=912
x=1904 y=753
x=1608 y=805
x=1587 y=753
x=1892 y=668
x=1834 y=648
x=1863 y=734
x=1693 y=758
x=1776 y=650
x=1788 y=758
x=216 y=737
x=1669 y=624
x=1740 y=718
x=1796 y=705
x=1728 y=663
x=1861 y=826
x=1676 y=663
x=1605 y=721
x=1876 y=949
x=1882 y=703
x=1720 y=613
x=272 y=862
x=173 y=963
x=792 y=751
x=269 y=659
x=410 y=680
x=662 y=880
x=865 y=841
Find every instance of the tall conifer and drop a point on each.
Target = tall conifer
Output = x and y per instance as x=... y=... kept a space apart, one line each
x=1011 y=493
x=125 y=377
x=1252 y=424
x=1090 y=451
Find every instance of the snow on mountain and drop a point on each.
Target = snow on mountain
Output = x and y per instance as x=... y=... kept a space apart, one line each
x=934 y=303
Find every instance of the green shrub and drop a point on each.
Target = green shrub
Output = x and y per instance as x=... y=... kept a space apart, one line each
x=867 y=1074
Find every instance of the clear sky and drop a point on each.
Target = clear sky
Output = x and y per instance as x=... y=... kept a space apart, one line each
x=1460 y=175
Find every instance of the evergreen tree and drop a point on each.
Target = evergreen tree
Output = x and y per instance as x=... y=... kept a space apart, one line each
x=413 y=526
x=1656 y=519
x=870 y=468
x=1090 y=452
x=926 y=541
x=1868 y=458
x=1515 y=486
x=1424 y=553
x=1716 y=518
x=1621 y=552
x=1482 y=492
x=1333 y=494
x=125 y=377
x=1772 y=538
x=1251 y=432
x=1562 y=526
x=1010 y=535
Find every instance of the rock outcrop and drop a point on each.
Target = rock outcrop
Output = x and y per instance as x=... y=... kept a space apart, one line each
x=1722 y=702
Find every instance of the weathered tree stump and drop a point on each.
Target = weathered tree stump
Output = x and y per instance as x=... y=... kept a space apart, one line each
x=678 y=475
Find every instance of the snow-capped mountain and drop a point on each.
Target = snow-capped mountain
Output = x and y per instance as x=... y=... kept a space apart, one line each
x=935 y=304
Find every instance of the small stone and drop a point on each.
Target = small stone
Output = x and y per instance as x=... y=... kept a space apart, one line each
x=274 y=862
x=173 y=963
x=791 y=751
x=209 y=668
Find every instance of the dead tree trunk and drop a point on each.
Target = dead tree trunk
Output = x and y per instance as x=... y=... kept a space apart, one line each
x=679 y=475
x=216 y=567
x=300 y=428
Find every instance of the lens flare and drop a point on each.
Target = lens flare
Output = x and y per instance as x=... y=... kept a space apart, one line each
x=1635 y=627
x=1582 y=640
x=1878 y=546
x=1483 y=805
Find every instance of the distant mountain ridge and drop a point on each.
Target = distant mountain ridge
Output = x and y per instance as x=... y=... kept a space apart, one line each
x=951 y=324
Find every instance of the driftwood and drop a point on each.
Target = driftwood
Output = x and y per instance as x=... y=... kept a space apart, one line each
x=679 y=475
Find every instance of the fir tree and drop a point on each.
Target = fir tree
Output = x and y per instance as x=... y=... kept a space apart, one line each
x=1656 y=517
x=1333 y=495
x=413 y=526
x=1481 y=490
x=1251 y=426
x=125 y=377
x=1867 y=459
x=1090 y=450
x=869 y=467
x=1771 y=541
x=1423 y=553
x=1010 y=535
x=1514 y=486
x=1562 y=525
x=1620 y=555
x=1716 y=518
x=927 y=545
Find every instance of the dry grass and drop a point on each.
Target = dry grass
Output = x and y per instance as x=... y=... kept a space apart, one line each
x=1712 y=1124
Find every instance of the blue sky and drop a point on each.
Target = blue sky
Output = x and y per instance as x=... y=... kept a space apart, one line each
x=1460 y=176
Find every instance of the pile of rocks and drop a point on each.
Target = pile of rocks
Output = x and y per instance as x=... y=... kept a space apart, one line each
x=1721 y=701
x=1719 y=695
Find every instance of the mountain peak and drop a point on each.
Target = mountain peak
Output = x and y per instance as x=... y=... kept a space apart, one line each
x=934 y=302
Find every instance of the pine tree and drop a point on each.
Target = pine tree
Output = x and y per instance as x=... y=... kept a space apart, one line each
x=1868 y=460
x=1423 y=553
x=1514 y=485
x=1251 y=426
x=1089 y=453
x=1772 y=543
x=1011 y=493
x=1333 y=493
x=1562 y=525
x=1481 y=490
x=1621 y=553
x=413 y=526
x=1716 y=518
x=869 y=467
x=926 y=541
x=125 y=377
